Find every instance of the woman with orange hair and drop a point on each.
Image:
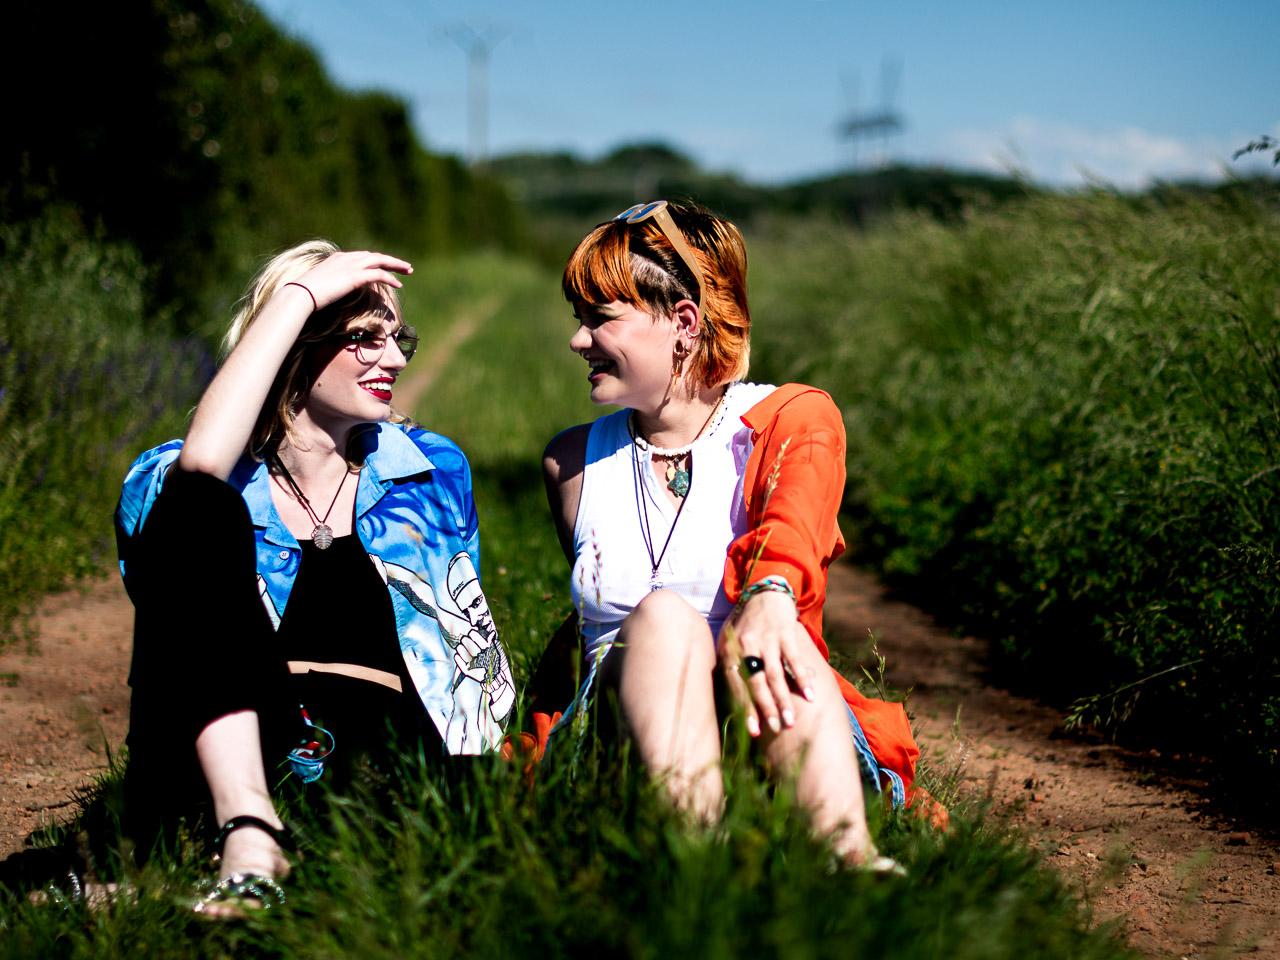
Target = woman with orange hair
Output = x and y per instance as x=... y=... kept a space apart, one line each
x=699 y=521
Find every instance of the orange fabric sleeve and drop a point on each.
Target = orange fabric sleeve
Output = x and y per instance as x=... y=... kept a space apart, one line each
x=792 y=489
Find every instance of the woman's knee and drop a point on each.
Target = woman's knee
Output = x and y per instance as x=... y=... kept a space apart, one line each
x=663 y=638
x=666 y=621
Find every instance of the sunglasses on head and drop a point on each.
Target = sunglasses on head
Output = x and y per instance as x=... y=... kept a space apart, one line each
x=656 y=210
x=406 y=339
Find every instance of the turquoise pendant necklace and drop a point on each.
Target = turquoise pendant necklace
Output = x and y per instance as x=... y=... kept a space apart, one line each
x=678 y=476
x=679 y=472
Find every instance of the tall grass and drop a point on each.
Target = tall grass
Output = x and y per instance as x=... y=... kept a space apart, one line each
x=86 y=381
x=591 y=862
x=1064 y=429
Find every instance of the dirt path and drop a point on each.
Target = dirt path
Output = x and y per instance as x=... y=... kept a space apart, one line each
x=1185 y=883
x=63 y=700
x=434 y=356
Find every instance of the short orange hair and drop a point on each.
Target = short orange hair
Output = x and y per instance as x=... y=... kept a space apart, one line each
x=636 y=264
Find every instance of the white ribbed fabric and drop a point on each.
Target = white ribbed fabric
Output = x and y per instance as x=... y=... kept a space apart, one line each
x=611 y=566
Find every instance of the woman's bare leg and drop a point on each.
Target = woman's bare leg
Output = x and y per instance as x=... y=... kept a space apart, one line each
x=230 y=754
x=663 y=667
x=819 y=753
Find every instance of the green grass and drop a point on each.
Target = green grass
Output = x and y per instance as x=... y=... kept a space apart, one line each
x=589 y=860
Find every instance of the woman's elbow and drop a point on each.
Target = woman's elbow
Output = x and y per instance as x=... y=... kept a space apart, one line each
x=201 y=461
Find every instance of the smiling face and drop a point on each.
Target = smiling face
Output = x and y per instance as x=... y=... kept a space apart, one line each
x=628 y=353
x=356 y=371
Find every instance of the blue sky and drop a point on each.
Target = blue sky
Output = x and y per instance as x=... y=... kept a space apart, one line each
x=1121 y=92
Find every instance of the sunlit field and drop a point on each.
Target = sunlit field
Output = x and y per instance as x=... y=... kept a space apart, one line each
x=586 y=859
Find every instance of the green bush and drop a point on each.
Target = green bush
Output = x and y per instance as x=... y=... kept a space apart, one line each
x=1064 y=426
x=86 y=383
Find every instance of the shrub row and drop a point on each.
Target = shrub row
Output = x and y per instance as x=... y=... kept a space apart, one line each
x=1064 y=425
x=85 y=384
x=205 y=136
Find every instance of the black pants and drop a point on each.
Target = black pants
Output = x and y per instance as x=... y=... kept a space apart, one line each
x=202 y=650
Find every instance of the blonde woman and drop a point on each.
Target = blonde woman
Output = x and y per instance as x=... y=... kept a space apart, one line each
x=291 y=563
x=699 y=520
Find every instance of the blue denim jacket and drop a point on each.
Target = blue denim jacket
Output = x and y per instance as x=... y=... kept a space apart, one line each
x=416 y=518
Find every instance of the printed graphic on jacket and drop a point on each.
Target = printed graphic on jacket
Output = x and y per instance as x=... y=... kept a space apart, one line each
x=482 y=692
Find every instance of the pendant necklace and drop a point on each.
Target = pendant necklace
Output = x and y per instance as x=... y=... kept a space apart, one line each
x=679 y=466
x=321 y=533
x=642 y=510
x=678 y=482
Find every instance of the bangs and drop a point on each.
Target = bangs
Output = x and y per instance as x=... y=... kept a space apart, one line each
x=599 y=271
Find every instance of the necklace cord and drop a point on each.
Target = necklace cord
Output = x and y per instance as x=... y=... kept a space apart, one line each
x=643 y=511
x=640 y=446
x=643 y=442
x=302 y=497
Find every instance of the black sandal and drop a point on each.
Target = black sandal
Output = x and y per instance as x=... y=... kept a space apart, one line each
x=265 y=891
x=282 y=837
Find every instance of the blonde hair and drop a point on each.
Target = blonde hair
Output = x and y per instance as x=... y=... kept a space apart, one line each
x=293 y=383
x=636 y=263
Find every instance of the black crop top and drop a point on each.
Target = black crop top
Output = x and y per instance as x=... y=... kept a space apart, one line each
x=339 y=612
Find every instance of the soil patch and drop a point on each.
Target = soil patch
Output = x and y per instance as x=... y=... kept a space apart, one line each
x=1139 y=848
x=64 y=701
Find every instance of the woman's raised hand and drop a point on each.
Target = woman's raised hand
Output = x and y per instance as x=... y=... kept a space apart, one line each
x=766 y=629
x=341 y=273
x=224 y=419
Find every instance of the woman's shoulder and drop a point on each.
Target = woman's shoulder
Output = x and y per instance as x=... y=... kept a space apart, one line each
x=566 y=452
x=570 y=446
x=164 y=453
x=443 y=452
x=796 y=403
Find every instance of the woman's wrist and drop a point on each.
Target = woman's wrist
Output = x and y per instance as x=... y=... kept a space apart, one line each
x=315 y=307
x=769 y=584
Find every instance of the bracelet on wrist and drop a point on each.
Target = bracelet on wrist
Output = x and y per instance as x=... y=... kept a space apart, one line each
x=303 y=286
x=770 y=584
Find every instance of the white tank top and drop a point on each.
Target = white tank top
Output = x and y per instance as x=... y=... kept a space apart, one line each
x=611 y=570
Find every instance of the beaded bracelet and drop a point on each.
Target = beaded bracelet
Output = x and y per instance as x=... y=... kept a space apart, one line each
x=770 y=584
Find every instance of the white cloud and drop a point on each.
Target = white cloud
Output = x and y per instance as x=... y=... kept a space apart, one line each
x=1069 y=155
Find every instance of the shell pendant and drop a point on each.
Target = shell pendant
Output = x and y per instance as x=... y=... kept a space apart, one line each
x=322 y=536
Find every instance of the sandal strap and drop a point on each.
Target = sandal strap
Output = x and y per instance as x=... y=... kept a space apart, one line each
x=282 y=838
x=266 y=890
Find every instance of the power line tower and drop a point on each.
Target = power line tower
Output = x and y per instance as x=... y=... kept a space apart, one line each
x=477 y=44
x=874 y=127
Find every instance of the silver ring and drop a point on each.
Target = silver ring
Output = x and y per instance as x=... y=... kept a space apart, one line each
x=752 y=665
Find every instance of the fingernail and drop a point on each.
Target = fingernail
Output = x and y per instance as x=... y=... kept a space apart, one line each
x=774 y=725
x=808 y=694
x=753 y=726
x=789 y=717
